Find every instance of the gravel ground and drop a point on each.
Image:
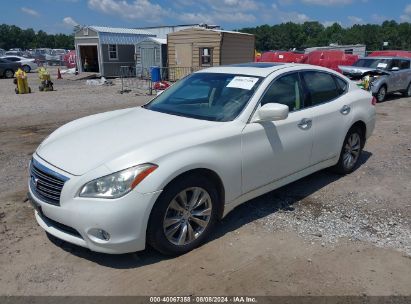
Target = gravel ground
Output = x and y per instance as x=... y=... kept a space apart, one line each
x=323 y=235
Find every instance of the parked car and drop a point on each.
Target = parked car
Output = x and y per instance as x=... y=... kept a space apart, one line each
x=55 y=56
x=164 y=173
x=13 y=53
x=330 y=59
x=281 y=56
x=26 y=63
x=70 y=59
x=40 y=54
x=8 y=68
x=386 y=75
x=392 y=53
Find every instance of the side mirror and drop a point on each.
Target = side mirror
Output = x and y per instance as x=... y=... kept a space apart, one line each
x=272 y=112
x=395 y=69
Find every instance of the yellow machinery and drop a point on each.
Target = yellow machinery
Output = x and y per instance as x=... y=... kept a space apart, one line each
x=45 y=79
x=22 y=86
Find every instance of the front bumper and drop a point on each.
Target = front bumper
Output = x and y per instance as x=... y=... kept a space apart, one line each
x=76 y=219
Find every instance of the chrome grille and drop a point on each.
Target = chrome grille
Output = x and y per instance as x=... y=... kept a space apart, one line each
x=45 y=183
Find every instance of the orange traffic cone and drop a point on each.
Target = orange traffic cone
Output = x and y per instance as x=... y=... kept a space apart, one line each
x=59 y=74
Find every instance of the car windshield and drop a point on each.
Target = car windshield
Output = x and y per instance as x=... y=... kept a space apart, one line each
x=373 y=63
x=208 y=96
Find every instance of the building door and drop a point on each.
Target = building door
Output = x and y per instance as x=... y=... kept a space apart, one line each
x=89 y=58
x=184 y=55
x=147 y=58
x=184 y=61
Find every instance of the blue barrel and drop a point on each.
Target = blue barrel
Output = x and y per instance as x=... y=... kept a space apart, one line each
x=155 y=73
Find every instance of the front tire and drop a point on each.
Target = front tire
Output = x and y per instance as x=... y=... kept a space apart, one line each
x=8 y=74
x=183 y=216
x=26 y=68
x=407 y=92
x=382 y=93
x=350 y=152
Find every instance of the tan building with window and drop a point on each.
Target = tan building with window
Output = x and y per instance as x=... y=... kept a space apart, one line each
x=200 y=48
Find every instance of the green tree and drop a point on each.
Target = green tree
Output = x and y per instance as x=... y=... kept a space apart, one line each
x=12 y=36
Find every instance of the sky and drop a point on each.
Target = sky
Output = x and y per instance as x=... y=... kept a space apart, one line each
x=59 y=16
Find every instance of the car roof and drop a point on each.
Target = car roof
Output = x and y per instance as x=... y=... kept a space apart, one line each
x=15 y=56
x=262 y=69
x=386 y=57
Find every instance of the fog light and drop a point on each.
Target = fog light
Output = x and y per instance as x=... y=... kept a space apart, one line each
x=99 y=234
x=104 y=235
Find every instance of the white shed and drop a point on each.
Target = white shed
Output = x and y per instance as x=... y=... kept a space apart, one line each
x=151 y=52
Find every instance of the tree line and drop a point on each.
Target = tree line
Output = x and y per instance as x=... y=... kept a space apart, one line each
x=291 y=35
x=12 y=36
x=284 y=36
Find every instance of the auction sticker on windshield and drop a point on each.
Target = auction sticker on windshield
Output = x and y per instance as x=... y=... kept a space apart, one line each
x=242 y=82
x=382 y=65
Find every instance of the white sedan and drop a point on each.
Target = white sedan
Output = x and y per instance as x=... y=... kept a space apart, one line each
x=164 y=174
x=28 y=64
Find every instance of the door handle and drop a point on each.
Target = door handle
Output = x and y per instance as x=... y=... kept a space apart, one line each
x=305 y=124
x=345 y=110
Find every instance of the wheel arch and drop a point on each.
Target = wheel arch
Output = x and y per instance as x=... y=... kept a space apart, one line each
x=211 y=175
x=363 y=127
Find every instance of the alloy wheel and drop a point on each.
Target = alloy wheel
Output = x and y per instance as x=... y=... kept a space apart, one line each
x=381 y=94
x=9 y=74
x=187 y=216
x=352 y=150
x=26 y=69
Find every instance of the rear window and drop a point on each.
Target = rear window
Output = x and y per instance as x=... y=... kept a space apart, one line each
x=342 y=85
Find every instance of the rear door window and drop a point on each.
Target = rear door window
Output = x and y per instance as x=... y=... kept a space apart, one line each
x=321 y=87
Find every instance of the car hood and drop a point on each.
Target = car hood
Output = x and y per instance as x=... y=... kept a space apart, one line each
x=355 y=71
x=90 y=142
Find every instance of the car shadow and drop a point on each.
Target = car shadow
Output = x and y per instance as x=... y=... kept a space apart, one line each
x=392 y=96
x=280 y=199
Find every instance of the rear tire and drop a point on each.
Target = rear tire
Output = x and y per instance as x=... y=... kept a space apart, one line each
x=350 y=151
x=184 y=215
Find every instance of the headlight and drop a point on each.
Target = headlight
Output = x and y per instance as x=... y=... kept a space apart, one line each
x=117 y=184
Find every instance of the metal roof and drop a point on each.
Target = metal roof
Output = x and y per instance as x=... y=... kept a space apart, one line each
x=119 y=30
x=230 y=32
x=156 y=40
x=122 y=36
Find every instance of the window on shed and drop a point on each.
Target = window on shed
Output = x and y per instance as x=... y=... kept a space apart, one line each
x=349 y=51
x=112 y=52
x=206 y=56
x=85 y=31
